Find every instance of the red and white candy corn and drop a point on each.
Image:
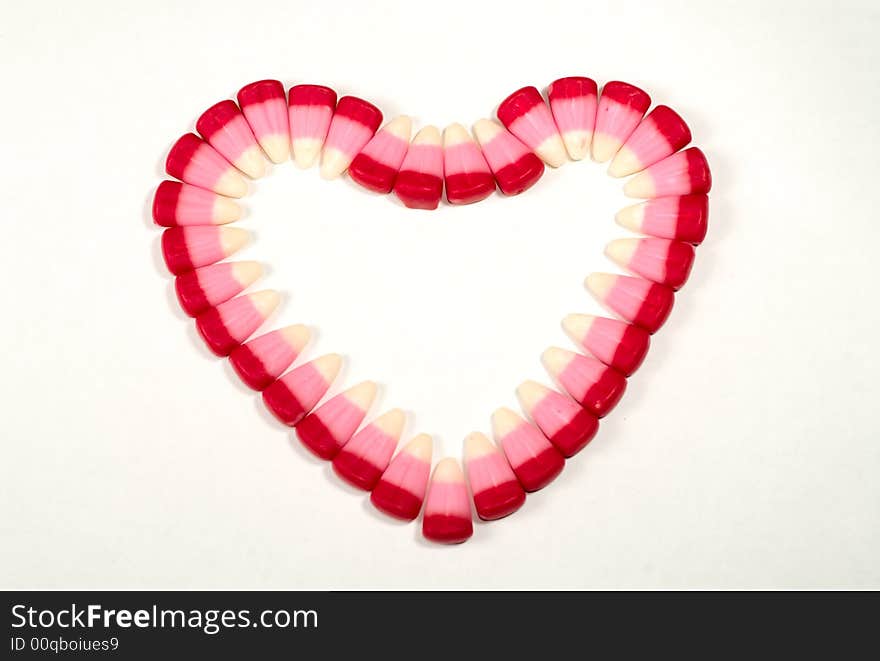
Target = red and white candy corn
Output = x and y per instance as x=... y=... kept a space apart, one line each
x=295 y=394
x=332 y=424
x=684 y=173
x=378 y=163
x=567 y=425
x=525 y=114
x=365 y=457
x=661 y=133
x=447 y=511
x=516 y=169
x=401 y=489
x=260 y=361
x=195 y=162
x=177 y=205
x=642 y=303
x=616 y=343
x=310 y=109
x=229 y=324
x=621 y=108
x=658 y=260
x=264 y=105
x=353 y=124
x=592 y=384
x=187 y=248
x=534 y=461
x=495 y=489
x=466 y=175
x=211 y=285
x=227 y=131
x=573 y=102
x=684 y=218
x=419 y=184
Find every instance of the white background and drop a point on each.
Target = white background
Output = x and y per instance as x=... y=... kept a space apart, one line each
x=745 y=453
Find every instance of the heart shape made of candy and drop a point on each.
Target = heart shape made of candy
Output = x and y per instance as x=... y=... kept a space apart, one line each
x=309 y=124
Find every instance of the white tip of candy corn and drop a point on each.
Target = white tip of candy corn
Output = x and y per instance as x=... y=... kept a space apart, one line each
x=555 y=360
x=232 y=239
x=328 y=366
x=225 y=211
x=296 y=336
x=455 y=134
x=251 y=162
x=477 y=445
x=604 y=147
x=448 y=470
x=305 y=151
x=641 y=186
x=624 y=164
x=621 y=251
x=421 y=447
x=277 y=147
x=231 y=184
x=362 y=394
x=391 y=422
x=577 y=326
x=399 y=127
x=428 y=135
x=530 y=393
x=600 y=284
x=246 y=273
x=486 y=129
x=505 y=421
x=333 y=163
x=265 y=301
x=577 y=143
x=631 y=217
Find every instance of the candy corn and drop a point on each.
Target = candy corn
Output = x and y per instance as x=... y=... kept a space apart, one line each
x=264 y=105
x=621 y=108
x=195 y=162
x=187 y=248
x=573 y=103
x=227 y=131
x=211 y=285
x=567 y=425
x=466 y=175
x=376 y=166
x=310 y=109
x=679 y=218
x=525 y=114
x=595 y=386
x=658 y=260
x=176 y=204
x=401 y=489
x=330 y=426
x=661 y=133
x=516 y=169
x=260 y=361
x=645 y=304
x=295 y=394
x=353 y=124
x=683 y=173
x=365 y=457
x=419 y=184
x=496 y=491
x=447 y=513
x=616 y=343
x=534 y=461
x=229 y=324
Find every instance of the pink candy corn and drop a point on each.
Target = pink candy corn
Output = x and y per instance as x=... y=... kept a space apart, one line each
x=642 y=303
x=658 y=260
x=264 y=105
x=326 y=430
x=595 y=386
x=525 y=114
x=660 y=134
x=616 y=343
x=352 y=126
x=620 y=110
x=573 y=103
x=365 y=457
x=516 y=169
x=419 y=184
x=376 y=167
x=176 y=204
x=229 y=324
x=533 y=459
x=566 y=424
x=187 y=248
x=260 y=361
x=447 y=512
x=466 y=175
x=496 y=491
x=209 y=286
x=401 y=489
x=683 y=173
x=295 y=394
x=195 y=162
x=680 y=218
x=310 y=109
x=227 y=131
